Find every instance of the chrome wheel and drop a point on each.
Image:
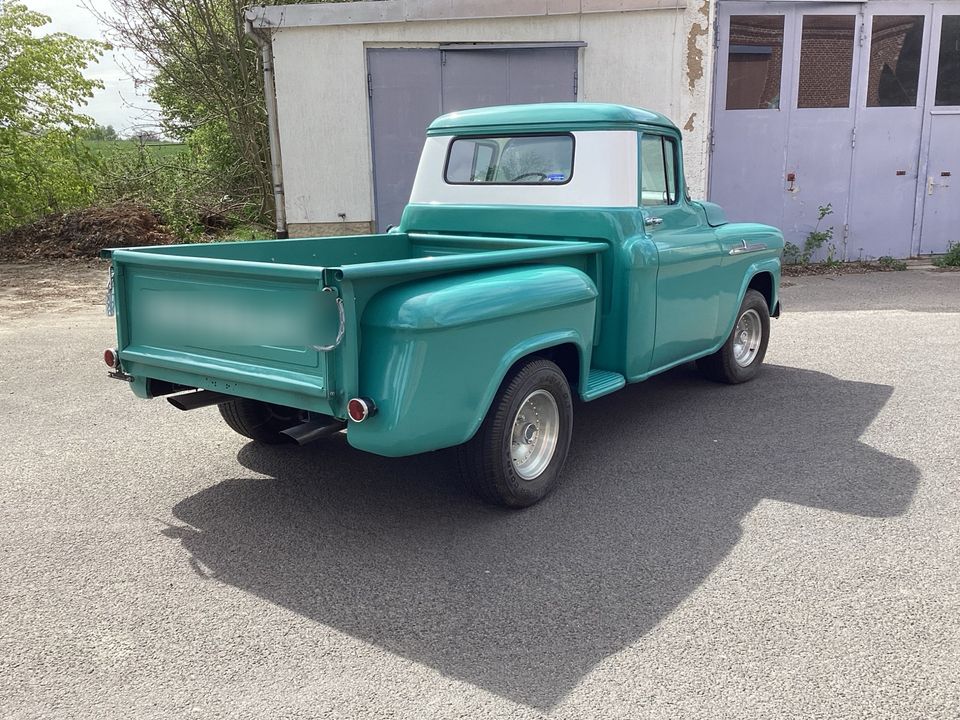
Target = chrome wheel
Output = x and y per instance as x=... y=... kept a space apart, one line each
x=747 y=336
x=536 y=432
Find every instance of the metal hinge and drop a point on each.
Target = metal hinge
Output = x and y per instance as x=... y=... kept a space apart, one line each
x=716 y=32
x=369 y=85
x=443 y=57
x=863 y=31
x=853 y=137
x=846 y=231
x=576 y=83
x=710 y=138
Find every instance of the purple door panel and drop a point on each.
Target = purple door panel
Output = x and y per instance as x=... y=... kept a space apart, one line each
x=410 y=87
x=478 y=78
x=940 y=182
x=820 y=147
x=889 y=122
x=404 y=90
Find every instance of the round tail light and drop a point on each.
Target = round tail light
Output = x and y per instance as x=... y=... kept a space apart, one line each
x=112 y=358
x=359 y=409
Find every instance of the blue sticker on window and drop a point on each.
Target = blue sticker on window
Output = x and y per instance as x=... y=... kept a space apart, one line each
x=556 y=177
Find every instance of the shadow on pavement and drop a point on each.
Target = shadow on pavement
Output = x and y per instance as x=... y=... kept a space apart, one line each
x=524 y=604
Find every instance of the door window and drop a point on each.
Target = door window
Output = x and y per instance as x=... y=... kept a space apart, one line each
x=948 y=68
x=754 y=62
x=826 y=61
x=895 y=46
x=658 y=170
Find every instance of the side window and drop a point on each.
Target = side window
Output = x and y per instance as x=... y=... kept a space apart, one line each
x=658 y=171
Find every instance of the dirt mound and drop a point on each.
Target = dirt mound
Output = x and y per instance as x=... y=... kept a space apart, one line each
x=84 y=233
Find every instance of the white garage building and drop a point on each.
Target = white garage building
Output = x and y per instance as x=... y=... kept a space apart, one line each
x=785 y=105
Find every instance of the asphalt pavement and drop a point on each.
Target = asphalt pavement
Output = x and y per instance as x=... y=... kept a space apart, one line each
x=788 y=548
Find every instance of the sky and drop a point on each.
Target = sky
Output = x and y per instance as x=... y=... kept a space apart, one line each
x=119 y=103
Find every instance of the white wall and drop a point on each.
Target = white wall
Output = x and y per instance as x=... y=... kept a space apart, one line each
x=644 y=58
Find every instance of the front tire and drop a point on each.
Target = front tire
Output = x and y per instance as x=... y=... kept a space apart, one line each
x=740 y=357
x=516 y=457
x=259 y=421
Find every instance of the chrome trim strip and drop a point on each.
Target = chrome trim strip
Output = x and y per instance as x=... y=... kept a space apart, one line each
x=744 y=248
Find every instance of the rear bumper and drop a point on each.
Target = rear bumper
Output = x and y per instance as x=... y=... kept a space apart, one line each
x=232 y=377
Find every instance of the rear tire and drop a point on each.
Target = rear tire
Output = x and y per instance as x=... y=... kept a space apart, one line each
x=740 y=357
x=259 y=421
x=516 y=457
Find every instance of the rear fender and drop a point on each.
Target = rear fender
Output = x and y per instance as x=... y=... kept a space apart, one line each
x=434 y=352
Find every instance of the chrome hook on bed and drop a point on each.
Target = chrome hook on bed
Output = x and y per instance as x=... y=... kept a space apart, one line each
x=341 y=329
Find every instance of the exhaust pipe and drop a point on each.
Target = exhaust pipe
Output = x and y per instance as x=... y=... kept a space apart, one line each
x=309 y=431
x=198 y=399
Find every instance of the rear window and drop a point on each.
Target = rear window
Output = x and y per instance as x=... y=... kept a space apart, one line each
x=519 y=160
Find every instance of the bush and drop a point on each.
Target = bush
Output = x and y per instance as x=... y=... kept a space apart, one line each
x=179 y=187
x=793 y=255
x=41 y=174
x=951 y=258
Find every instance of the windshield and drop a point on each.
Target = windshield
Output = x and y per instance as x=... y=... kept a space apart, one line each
x=520 y=160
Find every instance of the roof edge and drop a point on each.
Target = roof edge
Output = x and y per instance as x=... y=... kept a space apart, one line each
x=546 y=117
x=275 y=17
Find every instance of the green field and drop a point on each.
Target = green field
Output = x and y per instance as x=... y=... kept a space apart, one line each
x=159 y=149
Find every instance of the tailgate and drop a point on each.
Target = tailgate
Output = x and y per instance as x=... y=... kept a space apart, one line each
x=249 y=329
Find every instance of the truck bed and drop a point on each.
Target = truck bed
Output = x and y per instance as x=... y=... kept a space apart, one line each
x=279 y=320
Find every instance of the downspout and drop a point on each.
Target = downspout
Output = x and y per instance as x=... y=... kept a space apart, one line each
x=263 y=41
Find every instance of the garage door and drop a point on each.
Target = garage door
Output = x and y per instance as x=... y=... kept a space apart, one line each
x=851 y=105
x=408 y=88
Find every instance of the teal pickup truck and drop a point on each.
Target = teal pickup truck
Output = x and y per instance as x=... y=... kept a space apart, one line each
x=547 y=252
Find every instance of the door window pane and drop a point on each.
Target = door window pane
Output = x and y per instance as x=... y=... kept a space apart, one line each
x=895 y=47
x=658 y=176
x=948 y=69
x=754 y=62
x=826 y=61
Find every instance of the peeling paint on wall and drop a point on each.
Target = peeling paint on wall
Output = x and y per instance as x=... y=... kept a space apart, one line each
x=694 y=51
x=688 y=125
x=695 y=54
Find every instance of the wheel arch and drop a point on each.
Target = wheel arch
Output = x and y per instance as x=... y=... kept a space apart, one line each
x=763 y=283
x=763 y=276
x=566 y=348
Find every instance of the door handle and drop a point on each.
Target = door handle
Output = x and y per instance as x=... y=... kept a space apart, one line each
x=652 y=221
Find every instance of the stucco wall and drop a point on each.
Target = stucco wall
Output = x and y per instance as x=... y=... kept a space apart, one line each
x=654 y=58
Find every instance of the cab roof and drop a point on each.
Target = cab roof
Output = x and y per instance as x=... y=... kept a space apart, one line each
x=546 y=116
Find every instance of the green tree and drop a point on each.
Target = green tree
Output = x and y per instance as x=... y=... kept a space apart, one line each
x=99 y=132
x=43 y=167
x=205 y=74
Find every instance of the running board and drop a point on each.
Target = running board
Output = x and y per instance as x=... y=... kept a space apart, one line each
x=602 y=382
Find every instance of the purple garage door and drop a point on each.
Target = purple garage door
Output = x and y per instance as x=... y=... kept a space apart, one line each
x=410 y=87
x=819 y=103
x=940 y=183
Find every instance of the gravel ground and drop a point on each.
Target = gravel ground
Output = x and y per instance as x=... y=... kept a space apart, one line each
x=787 y=548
